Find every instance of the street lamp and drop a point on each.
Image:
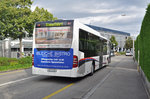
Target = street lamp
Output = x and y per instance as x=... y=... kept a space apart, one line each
x=134 y=37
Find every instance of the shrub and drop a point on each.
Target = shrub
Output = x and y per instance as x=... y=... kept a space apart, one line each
x=4 y=61
x=122 y=53
x=25 y=60
x=14 y=63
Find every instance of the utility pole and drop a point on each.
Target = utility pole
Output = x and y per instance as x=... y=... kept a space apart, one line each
x=133 y=48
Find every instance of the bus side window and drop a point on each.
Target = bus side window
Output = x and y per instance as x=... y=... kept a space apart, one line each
x=80 y=45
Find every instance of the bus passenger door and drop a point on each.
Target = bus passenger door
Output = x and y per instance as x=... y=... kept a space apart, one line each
x=100 y=54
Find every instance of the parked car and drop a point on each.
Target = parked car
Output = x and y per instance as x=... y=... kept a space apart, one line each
x=128 y=53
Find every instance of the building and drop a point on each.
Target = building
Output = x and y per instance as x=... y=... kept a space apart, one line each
x=119 y=35
x=26 y=47
x=5 y=48
x=11 y=48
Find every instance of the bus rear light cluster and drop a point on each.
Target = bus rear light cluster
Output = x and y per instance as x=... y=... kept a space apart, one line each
x=75 y=61
x=32 y=59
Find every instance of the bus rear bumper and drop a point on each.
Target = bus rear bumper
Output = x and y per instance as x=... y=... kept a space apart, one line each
x=56 y=72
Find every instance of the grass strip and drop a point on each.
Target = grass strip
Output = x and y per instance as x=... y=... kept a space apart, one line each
x=19 y=66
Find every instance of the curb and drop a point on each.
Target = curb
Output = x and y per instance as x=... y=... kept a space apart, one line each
x=145 y=81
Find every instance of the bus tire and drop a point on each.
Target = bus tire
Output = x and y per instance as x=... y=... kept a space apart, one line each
x=92 y=69
x=107 y=61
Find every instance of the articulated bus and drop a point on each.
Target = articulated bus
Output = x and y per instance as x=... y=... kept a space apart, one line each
x=68 y=48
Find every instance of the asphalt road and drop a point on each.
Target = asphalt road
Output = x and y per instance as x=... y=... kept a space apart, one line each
x=119 y=80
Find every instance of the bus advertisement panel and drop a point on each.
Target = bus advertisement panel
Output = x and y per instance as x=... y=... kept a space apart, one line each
x=53 y=59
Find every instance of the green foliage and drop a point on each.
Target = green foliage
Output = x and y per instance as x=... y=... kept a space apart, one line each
x=4 y=61
x=40 y=14
x=14 y=67
x=143 y=44
x=5 y=18
x=113 y=41
x=122 y=53
x=14 y=17
x=13 y=63
x=119 y=53
x=25 y=60
x=129 y=43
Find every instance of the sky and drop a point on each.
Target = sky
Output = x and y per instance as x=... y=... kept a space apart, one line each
x=121 y=15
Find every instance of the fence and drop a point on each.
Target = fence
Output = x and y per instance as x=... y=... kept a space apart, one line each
x=5 y=48
x=1 y=49
x=15 y=54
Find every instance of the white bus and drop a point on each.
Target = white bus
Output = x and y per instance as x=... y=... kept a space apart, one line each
x=68 y=48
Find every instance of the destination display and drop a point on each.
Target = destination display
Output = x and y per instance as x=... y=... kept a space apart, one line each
x=56 y=23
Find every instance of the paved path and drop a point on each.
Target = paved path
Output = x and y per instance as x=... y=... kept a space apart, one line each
x=123 y=82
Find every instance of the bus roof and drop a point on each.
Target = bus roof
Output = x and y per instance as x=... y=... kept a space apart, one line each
x=88 y=29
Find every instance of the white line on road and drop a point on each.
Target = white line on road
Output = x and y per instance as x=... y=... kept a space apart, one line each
x=86 y=96
x=11 y=82
x=123 y=68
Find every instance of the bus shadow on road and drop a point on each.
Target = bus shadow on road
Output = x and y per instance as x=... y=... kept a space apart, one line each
x=64 y=80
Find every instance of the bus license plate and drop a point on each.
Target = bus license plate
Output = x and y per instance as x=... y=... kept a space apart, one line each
x=51 y=70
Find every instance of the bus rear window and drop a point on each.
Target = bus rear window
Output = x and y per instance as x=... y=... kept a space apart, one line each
x=53 y=37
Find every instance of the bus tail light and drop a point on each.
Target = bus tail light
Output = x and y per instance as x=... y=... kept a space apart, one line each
x=32 y=59
x=75 y=61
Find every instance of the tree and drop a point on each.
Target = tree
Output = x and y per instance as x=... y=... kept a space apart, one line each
x=113 y=41
x=17 y=20
x=6 y=14
x=40 y=14
x=137 y=47
x=20 y=20
x=129 y=43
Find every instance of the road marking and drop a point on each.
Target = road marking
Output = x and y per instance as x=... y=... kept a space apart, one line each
x=123 y=68
x=11 y=72
x=86 y=96
x=11 y=82
x=58 y=91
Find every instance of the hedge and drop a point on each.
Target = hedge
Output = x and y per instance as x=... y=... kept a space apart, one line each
x=142 y=44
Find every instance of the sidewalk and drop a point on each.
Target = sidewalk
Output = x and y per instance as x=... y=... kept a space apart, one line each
x=123 y=82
